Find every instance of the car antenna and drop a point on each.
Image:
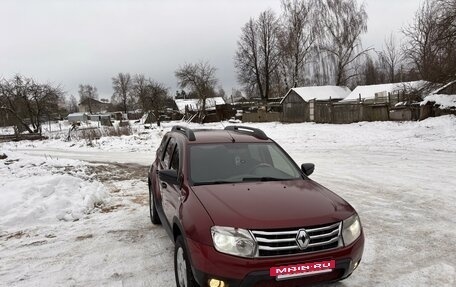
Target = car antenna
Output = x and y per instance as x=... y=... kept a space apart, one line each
x=232 y=139
x=231 y=136
x=223 y=126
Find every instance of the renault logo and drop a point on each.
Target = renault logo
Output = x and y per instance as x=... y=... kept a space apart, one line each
x=302 y=238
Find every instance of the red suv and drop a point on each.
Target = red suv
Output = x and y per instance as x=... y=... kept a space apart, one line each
x=242 y=213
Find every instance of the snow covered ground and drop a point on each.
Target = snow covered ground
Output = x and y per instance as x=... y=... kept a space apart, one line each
x=77 y=215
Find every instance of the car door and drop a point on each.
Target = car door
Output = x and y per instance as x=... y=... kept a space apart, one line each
x=170 y=192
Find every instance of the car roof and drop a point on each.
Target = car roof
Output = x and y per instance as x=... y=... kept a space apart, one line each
x=202 y=136
x=223 y=136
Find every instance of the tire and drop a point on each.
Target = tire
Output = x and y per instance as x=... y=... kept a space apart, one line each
x=152 y=208
x=182 y=267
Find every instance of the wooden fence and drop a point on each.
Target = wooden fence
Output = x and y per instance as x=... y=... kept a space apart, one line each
x=345 y=113
x=261 y=116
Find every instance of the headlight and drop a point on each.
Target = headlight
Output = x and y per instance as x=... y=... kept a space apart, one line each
x=351 y=229
x=233 y=241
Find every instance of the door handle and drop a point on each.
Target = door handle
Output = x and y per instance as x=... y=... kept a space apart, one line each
x=164 y=185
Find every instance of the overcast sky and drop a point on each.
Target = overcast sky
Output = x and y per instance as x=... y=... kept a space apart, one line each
x=69 y=42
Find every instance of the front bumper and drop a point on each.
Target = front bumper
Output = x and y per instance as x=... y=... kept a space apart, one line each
x=208 y=263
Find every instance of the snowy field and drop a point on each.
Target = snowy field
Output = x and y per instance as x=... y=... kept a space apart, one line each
x=77 y=215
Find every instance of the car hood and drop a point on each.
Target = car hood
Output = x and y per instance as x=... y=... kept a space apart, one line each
x=276 y=204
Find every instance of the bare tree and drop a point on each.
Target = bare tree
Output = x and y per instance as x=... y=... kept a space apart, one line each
x=391 y=58
x=297 y=39
x=122 y=85
x=247 y=58
x=448 y=20
x=221 y=93
x=370 y=72
x=88 y=93
x=200 y=79
x=72 y=104
x=140 y=90
x=158 y=95
x=257 y=56
x=268 y=27
x=343 y=22
x=28 y=101
x=431 y=39
x=152 y=95
x=420 y=34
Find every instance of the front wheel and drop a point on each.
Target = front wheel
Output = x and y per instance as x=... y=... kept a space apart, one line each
x=182 y=267
x=152 y=208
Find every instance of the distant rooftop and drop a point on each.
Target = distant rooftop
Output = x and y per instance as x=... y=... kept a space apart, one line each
x=368 y=92
x=443 y=97
x=321 y=93
x=193 y=104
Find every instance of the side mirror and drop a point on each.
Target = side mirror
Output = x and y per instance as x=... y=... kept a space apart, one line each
x=308 y=168
x=168 y=176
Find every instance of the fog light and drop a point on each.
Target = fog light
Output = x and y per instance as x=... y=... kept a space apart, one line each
x=217 y=283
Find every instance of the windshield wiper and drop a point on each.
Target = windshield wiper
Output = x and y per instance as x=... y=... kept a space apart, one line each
x=244 y=179
x=264 y=178
x=214 y=182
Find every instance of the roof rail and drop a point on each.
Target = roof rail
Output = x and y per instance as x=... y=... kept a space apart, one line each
x=185 y=131
x=248 y=130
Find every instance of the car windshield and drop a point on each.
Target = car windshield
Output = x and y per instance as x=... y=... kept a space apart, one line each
x=240 y=162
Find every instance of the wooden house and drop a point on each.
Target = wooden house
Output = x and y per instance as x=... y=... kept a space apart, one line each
x=440 y=102
x=384 y=93
x=298 y=103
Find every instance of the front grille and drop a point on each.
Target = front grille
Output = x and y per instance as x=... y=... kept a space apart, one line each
x=283 y=242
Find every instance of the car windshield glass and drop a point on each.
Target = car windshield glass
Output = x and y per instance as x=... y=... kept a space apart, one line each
x=240 y=162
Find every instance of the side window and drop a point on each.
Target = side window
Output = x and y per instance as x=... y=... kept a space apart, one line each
x=175 y=159
x=169 y=151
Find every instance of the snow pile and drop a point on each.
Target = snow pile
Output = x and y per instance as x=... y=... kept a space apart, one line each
x=447 y=122
x=130 y=143
x=139 y=140
x=445 y=101
x=6 y=130
x=32 y=193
